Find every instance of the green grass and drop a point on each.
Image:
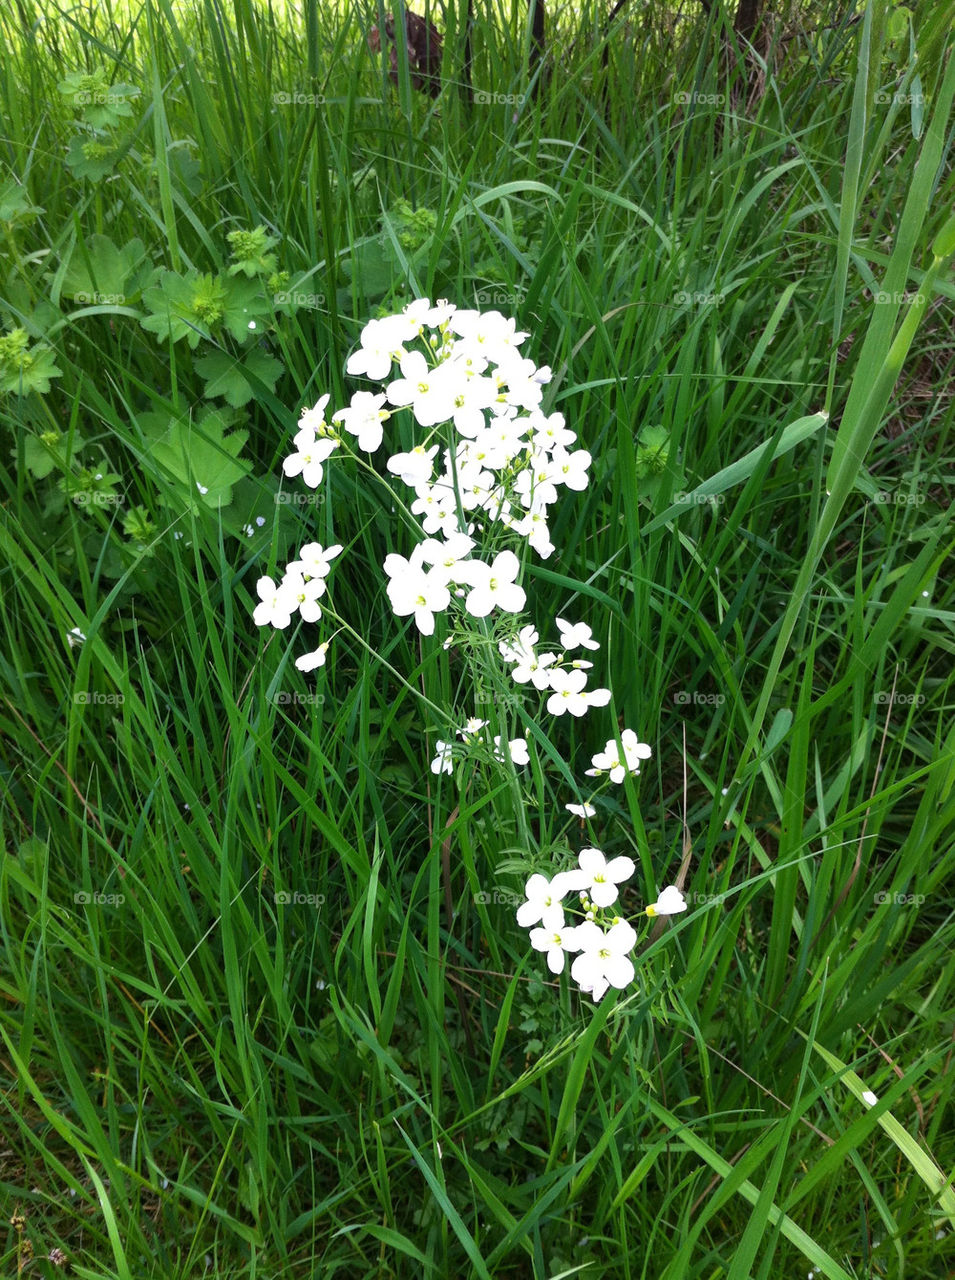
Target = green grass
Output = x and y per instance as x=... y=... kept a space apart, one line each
x=198 y=1078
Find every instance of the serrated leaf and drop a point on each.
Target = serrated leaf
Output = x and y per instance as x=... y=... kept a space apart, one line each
x=89 y=158
x=15 y=205
x=173 y=315
x=226 y=376
x=38 y=459
x=33 y=375
x=100 y=270
x=200 y=455
x=245 y=300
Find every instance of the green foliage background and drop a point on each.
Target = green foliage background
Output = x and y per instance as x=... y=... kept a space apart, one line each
x=264 y=1006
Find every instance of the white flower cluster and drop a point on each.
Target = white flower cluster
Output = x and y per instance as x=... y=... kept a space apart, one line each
x=495 y=468
x=602 y=942
x=302 y=586
x=504 y=464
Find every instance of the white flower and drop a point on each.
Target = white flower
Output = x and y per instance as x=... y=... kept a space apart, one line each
x=314 y=560
x=411 y=590
x=573 y=634
x=669 y=903
x=277 y=604
x=438 y=507
x=486 y=332
x=555 y=942
x=551 y=433
x=75 y=637
x=568 y=693
x=633 y=752
x=581 y=810
x=313 y=419
x=516 y=749
x=570 y=469
x=528 y=665
x=308 y=458
x=494 y=584
x=380 y=345
x=603 y=961
x=602 y=877
x=305 y=594
x=869 y=1098
x=443 y=762
x=421 y=313
x=430 y=392
x=472 y=727
x=414 y=467
x=364 y=418
x=535 y=483
x=544 y=900
x=445 y=557
x=309 y=661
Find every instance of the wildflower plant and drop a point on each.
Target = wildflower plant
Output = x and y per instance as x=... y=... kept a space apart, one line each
x=480 y=480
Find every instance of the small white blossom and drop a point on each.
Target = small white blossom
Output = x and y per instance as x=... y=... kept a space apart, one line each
x=603 y=876
x=309 y=661
x=555 y=943
x=568 y=694
x=603 y=961
x=277 y=604
x=669 y=903
x=494 y=584
x=364 y=418
x=516 y=749
x=573 y=634
x=443 y=762
x=609 y=760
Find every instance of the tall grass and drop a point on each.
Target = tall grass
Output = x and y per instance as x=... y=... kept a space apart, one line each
x=376 y=1077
